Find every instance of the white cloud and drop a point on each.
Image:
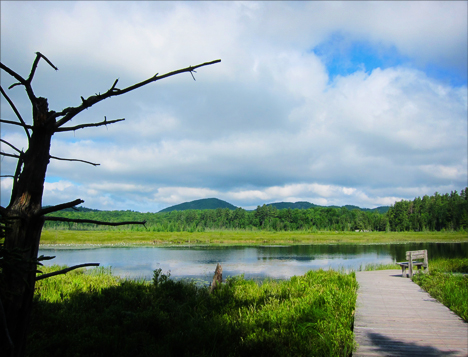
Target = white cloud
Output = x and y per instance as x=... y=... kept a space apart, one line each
x=265 y=124
x=175 y=195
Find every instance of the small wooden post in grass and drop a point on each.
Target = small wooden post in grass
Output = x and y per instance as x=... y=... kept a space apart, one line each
x=217 y=278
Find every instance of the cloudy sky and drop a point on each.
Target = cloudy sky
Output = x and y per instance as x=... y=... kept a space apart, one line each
x=334 y=103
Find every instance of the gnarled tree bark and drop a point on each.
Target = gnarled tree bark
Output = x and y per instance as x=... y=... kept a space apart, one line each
x=23 y=218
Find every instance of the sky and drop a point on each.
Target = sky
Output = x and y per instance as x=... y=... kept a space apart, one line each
x=334 y=103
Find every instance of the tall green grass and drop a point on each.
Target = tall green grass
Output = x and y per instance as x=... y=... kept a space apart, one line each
x=445 y=286
x=96 y=314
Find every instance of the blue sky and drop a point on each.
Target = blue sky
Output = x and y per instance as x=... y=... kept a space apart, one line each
x=335 y=103
x=343 y=56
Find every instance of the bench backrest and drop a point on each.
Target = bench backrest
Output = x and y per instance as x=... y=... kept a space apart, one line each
x=417 y=254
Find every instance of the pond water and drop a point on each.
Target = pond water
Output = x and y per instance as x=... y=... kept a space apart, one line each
x=255 y=262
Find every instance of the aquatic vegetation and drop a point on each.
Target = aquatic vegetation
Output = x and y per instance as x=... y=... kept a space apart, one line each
x=93 y=313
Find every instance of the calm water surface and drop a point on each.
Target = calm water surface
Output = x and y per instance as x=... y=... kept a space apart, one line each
x=277 y=262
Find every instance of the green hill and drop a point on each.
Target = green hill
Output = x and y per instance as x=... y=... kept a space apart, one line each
x=205 y=203
x=291 y=205
x=306 y=205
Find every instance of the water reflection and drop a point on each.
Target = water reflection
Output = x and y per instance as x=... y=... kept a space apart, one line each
x=277 y=262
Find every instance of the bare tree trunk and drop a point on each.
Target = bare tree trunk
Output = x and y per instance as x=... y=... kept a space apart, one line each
x=23 y=219
x=23 y=228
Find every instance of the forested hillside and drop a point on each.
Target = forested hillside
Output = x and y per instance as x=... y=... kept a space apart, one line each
x=434 y=213
x=205 y=203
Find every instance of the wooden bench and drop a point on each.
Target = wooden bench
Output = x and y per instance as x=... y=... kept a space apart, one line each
x=410 y=256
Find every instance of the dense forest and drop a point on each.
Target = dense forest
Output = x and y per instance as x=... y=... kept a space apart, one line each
x=430 y=213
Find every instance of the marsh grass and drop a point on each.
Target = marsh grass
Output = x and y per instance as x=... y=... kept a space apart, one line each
x=233 y=237
x=375 y=266
x=95 y=314
x=451 y=290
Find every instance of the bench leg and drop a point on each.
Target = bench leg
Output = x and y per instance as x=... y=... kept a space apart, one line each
x=403 y=270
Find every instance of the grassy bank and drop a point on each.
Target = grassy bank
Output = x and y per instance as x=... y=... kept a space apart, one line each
x=97 y=314
x=444 y=282
x=244 y=237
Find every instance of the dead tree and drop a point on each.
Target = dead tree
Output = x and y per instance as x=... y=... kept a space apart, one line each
x=217 y=278
x=23 y=219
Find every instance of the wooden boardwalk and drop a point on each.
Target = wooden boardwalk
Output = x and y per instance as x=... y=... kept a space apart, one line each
x=395 y=317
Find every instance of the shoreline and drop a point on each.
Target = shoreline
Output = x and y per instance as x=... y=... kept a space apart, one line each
x=97 y=239
x=56 y=239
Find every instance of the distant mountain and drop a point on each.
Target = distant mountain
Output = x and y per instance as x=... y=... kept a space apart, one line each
x=78 y=209
x=213 y=203
x=306 y=205
x=205 y=203
x=382 y=209
x=291 y=205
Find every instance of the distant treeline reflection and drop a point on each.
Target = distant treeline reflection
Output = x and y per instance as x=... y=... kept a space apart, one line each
x=430 y=213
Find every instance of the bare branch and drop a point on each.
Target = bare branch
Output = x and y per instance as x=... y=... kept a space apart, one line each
x=19 y=164
x=21 y=81
x=14 y=85
x=6 y=142
x=59 y=207
x=78 y=160
x=34 y=66
x=13 y=74
x=113 y=86
x=75 y=220
x=12 y=105
x=9 y=155
x=105 y=122
x=64 y=271
x=69 y=113
x=15 y=123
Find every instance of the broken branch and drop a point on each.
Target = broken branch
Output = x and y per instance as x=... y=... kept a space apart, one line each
x=9 y=155
x=21 y=81
x=59 y=207
x=77 y=160
x=90 y=101
x=15 y=123
x=105 y=122
x=13 y=73
x=75 y=220
x=12 y=105
x=10 y=145
x=34 y=66
x=64 y=271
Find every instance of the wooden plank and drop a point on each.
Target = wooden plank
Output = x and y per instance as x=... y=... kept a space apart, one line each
x=417 y=254
x=395 y=317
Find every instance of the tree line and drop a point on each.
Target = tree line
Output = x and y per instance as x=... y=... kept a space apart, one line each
x=430 y=213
